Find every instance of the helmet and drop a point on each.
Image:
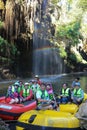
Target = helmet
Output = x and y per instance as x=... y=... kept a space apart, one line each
x=77 y=84
x=17 y=84
x=36 y=76
x=34 y=81
x=26 y=84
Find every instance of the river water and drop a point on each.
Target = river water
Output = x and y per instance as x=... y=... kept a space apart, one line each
x=56 y=80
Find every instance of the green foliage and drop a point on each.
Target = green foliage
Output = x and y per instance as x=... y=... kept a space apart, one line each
x=70 y=1
x=20 y=1
x=83 y=4
x=1 y=24
x=72 y=57
x=7 y=50
x=70 y=32
x=62 y=52
x=76 y=57
x=54 y=1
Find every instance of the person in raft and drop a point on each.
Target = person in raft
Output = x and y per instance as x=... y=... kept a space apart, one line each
x=26 y=94
x=77 y=95
x=42 y=97
x=76 y=80
x=12 y=94
x=50 y=91
x=65 y=94
x=38 y=79
x=35 y=86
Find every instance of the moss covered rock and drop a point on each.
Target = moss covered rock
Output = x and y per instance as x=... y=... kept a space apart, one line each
x=3 y=125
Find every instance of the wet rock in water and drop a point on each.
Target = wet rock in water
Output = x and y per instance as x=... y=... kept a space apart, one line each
x=3 y=125
x=82 y=115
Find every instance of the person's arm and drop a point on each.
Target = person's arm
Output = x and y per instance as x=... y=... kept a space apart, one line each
x=21 y=93
x=30 y=95
x=7 y=94
x=82 y=93
x=60 y=92
x=43 y=100
x=82 y=96
x=69 y=97
x=39 y=99
x=72 y=95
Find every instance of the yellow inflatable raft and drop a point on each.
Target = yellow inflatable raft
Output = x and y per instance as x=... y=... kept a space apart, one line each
x=63 y=119
x=47 y=120
x=71 y=108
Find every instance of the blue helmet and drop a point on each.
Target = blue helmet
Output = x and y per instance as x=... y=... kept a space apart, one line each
x=17 y=83
x=77 y=84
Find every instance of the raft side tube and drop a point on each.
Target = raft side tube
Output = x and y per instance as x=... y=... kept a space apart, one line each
x=48 y=119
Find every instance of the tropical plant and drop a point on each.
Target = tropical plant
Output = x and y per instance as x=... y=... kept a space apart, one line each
x=71 y=32
x=62 y=52
x=7 y=51
x=54 y=1
x=1 y=24
x=83 y=4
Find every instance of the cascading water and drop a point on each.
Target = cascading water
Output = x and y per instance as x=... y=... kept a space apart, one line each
x=46 y=60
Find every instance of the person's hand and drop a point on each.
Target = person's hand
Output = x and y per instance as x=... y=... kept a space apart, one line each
x=49 y=102
x=21 y=99
x=64 y=96
x=72 y=98
x=24 y=99
x=78 y=99
x=52 y=101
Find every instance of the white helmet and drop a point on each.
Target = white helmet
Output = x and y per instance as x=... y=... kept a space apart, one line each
x=36 y=76
x=26 y=83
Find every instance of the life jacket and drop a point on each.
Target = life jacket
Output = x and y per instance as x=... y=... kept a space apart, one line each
x=77 y=93
x=20 y=88
x=13 y=89
x=43 y=94
x=50 y=92
x=35 y=87
x=51 y=96
x=65 y=92
x=26 y=92
x=10 y=94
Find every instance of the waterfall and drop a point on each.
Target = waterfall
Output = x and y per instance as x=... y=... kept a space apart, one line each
x=46 y=60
